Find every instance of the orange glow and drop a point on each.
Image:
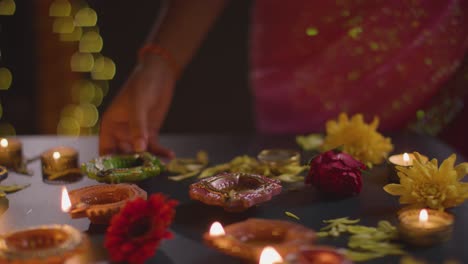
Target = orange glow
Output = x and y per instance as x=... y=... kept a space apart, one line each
x=66 y=203
x=270 y=256
x=217 y=229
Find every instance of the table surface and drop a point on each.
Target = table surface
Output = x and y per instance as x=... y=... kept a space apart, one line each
x=40 y=203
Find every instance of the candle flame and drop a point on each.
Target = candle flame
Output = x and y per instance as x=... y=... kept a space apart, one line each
x=270 y=256
x=4 y=142
x=423 y=216
x=56 y=155
x=216 y=229
x=66 y=203
x=406 y=157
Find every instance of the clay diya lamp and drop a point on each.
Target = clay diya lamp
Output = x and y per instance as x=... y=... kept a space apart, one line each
x=44 y=244
x=100 y=202
x=235 y=192
x=11 y=153
x=248 y=238
x=60 y=165
x=317 y=255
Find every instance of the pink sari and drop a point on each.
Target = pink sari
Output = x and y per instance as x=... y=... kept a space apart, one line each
x=312 y=60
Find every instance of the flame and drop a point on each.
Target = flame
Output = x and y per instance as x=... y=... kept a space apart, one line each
x=66 y=203
x=423 y=216
x=216 y=229
x=270 y=256
x=56 y=155
x=406 y=157
x=4 y=142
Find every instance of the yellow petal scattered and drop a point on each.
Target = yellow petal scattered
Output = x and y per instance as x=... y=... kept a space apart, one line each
x=60 y=8
x=86 y=17
x=7 y=7
x=6 y=78
x=63 y=25
x=82 y=62
x=91 y=42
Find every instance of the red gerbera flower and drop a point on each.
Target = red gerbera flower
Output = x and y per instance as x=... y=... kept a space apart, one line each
x=136 y=231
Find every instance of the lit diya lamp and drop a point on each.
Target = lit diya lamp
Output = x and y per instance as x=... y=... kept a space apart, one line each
x=44 y=244
x=11 y=153
x=235 y=192
x=425 y=227
x=402 y=160
x=99 y=202
x=317 y=255
x=247 y=239
x=60 y=165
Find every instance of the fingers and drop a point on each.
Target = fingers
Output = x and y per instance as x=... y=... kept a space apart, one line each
x=138 y=127
x=157 y=149
x=107 y=143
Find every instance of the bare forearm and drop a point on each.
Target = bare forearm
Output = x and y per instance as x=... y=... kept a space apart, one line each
x=184 y=25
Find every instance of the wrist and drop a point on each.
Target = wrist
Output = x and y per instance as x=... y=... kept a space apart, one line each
x=153 y=54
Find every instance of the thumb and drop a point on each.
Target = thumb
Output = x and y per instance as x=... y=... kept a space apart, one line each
x=139 y=129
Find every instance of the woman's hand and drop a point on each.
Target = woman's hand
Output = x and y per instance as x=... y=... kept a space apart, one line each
x=133 y=120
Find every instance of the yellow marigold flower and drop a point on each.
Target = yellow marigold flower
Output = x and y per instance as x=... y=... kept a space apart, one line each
x=426 y=185
x=360 y=140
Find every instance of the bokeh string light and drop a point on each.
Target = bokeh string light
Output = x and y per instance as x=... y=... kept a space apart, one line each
x=75 y=21
x=7 y=8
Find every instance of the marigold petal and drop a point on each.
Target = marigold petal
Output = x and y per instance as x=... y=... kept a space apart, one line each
x=462 y=170
x=394 y=189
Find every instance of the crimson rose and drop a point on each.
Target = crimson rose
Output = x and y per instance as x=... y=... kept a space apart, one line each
x=336 y=173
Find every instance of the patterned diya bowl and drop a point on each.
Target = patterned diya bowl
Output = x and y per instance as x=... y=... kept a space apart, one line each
x=100 y=202
x=248 y=238
x=317 y=255
x=235 y=192
x=44 y=244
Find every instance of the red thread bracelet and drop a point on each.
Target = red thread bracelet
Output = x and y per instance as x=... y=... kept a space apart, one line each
x=163 y=53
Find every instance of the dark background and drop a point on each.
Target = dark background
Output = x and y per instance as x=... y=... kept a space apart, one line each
x=211 y=96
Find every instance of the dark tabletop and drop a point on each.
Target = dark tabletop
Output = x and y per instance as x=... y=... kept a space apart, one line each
x=40 y=203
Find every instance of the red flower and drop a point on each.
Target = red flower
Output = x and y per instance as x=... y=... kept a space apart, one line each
x=136 y=231
x=336 y=173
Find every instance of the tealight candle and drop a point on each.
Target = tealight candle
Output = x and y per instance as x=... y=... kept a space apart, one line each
x=11 y=153
x=60 y=164
x=403 y=160
x=275 y=158
x=425 y=227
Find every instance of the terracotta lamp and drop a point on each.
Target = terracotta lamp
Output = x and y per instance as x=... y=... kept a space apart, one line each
x=317 y=255
x=247 y=239
x=100 y=202
x=235 y=192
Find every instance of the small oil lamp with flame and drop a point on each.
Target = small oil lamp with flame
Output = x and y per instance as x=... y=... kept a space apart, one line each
x=60 y=165
x=11 y=153
x=402 y=160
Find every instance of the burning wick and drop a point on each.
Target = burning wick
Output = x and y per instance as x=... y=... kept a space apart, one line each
x=270 y=256
x=406 y=159
x=56 y=155
x=217 y=229
x=4 y=143
x=423 y=217
x=66 y=203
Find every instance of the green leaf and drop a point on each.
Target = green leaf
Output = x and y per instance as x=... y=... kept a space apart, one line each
x=12 y=188
x=292 y=215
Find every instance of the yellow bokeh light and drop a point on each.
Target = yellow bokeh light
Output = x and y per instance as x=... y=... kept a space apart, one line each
x=105 y=69
x=60 y=8
x=104 y=85
x=90 y=115
x=72 y=37
x=91 y=42
x=82 y=62
x=6 y=78
x=98 y=96
x=7 y=7
x=63 y=25
x=83 y=91
x=68 y=111
x=86 y=17
x=6 y=129
x=68 y=126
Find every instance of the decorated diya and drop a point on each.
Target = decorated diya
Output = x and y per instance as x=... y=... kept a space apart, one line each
x=248 y=238
x=123 y=168
x=317 y=255
x=100 y=202
x=235 y=192
x=44 y=244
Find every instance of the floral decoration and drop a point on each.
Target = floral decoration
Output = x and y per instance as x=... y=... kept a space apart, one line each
x=426 y=185
x=137 y=230
x=357 y=138
x=336 y=173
